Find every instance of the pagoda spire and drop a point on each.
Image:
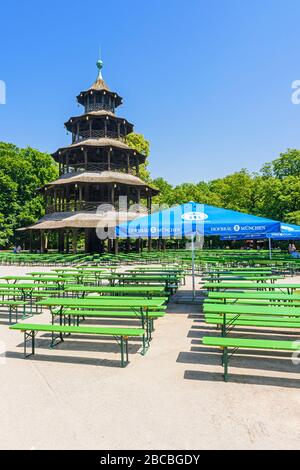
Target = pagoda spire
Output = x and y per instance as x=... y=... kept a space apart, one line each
x=99 y=83
x=99 y=64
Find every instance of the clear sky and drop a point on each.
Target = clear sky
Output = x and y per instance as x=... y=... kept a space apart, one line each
x=207 y=82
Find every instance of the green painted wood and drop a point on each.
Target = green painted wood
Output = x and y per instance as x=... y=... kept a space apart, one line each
x=249 y=285
x=250 y=343
x=259 y=295
x=105 y=300
x=251 y=310
x=261 y=321
x=111 y=313
x=93 y=330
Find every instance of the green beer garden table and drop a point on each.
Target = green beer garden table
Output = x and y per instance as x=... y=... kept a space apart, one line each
x=235 y=311
x=217 y=286
x=140 y=306
x=255 y=297
x=149 y=291
x=245 y=277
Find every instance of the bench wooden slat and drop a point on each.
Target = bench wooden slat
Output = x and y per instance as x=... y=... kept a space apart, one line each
x=94 y=330
x=247 y=343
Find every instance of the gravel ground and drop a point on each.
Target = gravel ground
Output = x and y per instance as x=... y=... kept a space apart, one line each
x=77 y=397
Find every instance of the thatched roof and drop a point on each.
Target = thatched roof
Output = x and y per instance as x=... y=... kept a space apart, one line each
x=102 y=142
x=99 y=84
x=99 y=219
x=99 y=178
x=94 y=114
x=100 y=112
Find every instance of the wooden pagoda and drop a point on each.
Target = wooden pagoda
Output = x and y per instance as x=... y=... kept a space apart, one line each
x=96 y=170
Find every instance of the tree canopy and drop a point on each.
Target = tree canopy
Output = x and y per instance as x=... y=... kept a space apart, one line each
x=274 y=192
x=22 y=172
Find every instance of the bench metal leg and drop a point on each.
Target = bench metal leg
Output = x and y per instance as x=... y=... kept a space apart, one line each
x=225 y=364
x=123 y=343
x=122 y=351
x=145 y=345
x=29 y=335
x=56 y=339
x=126 y=349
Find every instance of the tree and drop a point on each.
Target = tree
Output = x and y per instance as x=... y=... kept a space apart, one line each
x=165 y=195
x=22 y=172
x=235 y=191
x=141 y=145
x=288 y=164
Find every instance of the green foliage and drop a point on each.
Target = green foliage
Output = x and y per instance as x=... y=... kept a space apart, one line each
x=288 y=164
x=273 y=193
x=141 y=145
x=22 y=172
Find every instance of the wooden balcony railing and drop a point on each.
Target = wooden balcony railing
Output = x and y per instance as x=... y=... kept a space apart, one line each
x=98 y=167
x=99 y=107
x=97 y=134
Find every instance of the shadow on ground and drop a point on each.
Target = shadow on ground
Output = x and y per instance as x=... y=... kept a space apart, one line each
x=245 y=359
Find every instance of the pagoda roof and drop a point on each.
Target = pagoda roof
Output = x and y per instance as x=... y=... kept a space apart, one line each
x=101 y=142
x=99 y=84
x=100 y=177
x=58 y=220
x=100 y=113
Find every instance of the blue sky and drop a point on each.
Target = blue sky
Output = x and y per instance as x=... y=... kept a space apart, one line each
x=207 y=82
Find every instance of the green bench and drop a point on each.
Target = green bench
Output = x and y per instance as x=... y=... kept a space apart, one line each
x=218 y=286
x=147 y=322
x=229 y=315
x=13 y=306
x=259 y=321
x=121 y=335
x=241 y=343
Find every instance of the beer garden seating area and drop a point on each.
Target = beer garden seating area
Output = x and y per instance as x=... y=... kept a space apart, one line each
x=239 y=290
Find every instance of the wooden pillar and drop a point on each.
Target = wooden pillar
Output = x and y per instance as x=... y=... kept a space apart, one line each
x=30 y=241
x=67 y=198
x=112 y=194
x=149 y=243
x=86 y=240
x=138 y=245
x=127 y=244
x=80 y=196
x=42 y=234
x=116 y=246
x=67 y=162
x=128 y=163
x=137 y=165
x=149 y=201
x=159 y=244
x=108 y=159
x=55 y=200
x=85 y=159
x=74 y=240
x=67 y=242
x=61 y=240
